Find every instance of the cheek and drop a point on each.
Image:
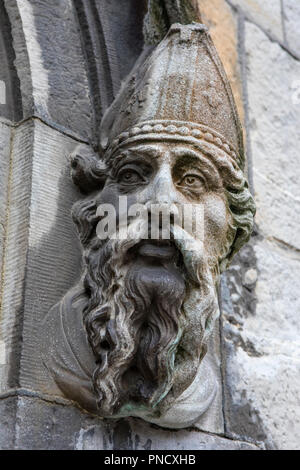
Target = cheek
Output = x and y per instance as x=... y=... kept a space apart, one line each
x=216 y=220
x=108 y=196
x=121 y=203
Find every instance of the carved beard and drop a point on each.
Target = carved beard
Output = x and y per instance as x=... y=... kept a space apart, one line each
x=147 y=325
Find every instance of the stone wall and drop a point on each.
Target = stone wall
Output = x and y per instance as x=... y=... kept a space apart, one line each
x=260 y=301
x=65 y=64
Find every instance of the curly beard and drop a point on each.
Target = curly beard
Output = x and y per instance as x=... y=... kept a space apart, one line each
x=147 y=323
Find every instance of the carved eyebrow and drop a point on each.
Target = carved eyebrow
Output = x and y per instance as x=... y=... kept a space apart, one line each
x=134 y=155
x=183 y=151
x=127 y=158
x=146 y=149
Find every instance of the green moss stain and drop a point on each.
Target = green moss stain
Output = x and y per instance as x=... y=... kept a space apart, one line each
x=163 y=13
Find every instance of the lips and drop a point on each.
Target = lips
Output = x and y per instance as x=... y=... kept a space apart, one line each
x=162 y=249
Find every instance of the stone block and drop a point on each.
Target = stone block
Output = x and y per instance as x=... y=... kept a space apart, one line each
x=8 y=407
x=263 y=350
x=5 y=134
x=266 y=14
x=222 y=23
x=134 y=434
x=291 y=9
x=274 y=135
x=54 y=255
x=42 y=249
x=31 y=423
x=41 y=425
x=14 y=260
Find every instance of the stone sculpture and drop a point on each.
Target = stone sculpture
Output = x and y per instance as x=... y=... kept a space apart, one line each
x=131 y=338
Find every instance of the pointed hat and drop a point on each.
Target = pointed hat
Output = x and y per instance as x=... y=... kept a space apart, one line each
x=180 y=93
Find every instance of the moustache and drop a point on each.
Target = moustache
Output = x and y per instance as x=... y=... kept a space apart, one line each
x=176 y=245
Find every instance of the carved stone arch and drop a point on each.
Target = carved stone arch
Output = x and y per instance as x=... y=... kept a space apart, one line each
x=11 y=102
x=50 y=66
x=112 y=40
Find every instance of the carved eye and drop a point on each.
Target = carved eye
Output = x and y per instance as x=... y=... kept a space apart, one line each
x=129 y=177
x=192 y=181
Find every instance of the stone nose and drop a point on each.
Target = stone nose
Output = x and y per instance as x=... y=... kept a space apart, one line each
x=163 y=190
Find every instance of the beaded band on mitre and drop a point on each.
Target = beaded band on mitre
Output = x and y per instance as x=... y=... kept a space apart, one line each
x=188 y=132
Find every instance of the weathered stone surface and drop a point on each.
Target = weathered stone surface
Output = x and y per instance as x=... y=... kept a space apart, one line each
x=70 y=58
x=134 y=434
x=260 y=304
x=123 y=33
x=53 y=261
x=212 y=421
x=266 y=14
x=5 y=134
x=45 y=426
x=161 y=14
x=14 y=261
x=222 y=23
x=291 y=9
x=112 y=39
x=35 y=424
x=10 y=94
x=263 y=350
x=41 y=246
x=8 y=407
x=238 y=302
x=50 y=63
x=274 y=135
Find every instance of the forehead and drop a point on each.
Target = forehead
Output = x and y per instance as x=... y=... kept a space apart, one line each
x=161 y=150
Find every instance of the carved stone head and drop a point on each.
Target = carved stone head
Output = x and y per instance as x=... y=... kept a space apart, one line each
x=147 y=304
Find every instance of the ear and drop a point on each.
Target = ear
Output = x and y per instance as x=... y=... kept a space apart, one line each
x=88 y=171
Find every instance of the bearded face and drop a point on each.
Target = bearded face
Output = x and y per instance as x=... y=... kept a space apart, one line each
x=152 y=301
